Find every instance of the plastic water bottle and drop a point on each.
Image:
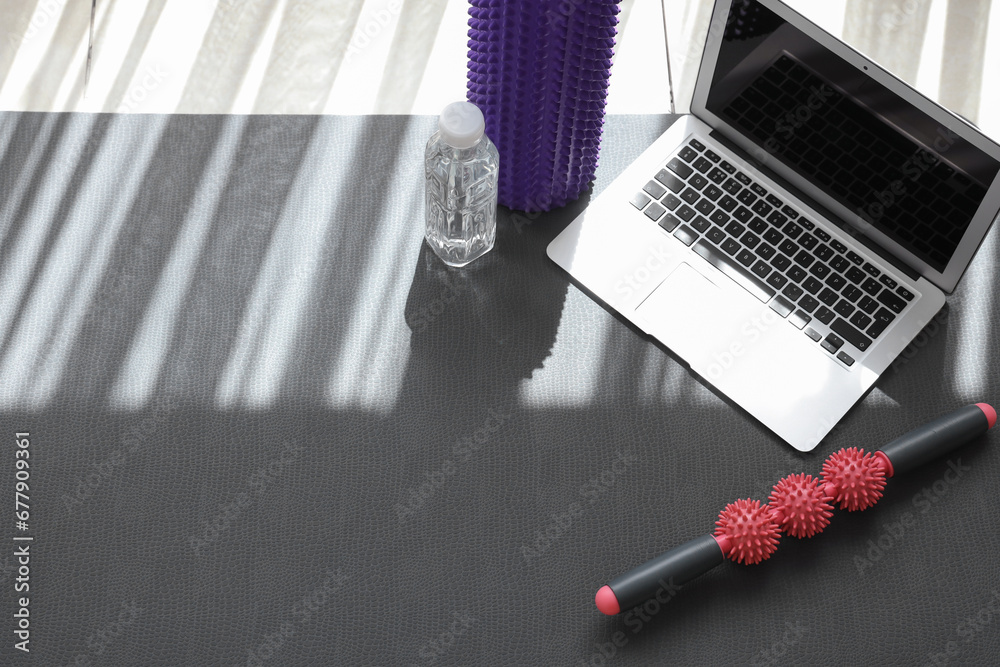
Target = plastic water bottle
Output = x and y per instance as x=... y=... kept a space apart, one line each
x=461 y=167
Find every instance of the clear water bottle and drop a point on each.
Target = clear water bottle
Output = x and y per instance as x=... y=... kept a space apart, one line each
x=461 y=168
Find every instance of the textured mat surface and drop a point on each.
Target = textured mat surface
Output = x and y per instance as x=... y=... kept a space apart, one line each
x=267 y=428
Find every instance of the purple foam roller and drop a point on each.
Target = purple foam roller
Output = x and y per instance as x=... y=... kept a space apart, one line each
x=539 y=70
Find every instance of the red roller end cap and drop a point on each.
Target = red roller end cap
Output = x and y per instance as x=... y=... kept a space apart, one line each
x=991 y=414
x=857 y=477
x=751 y=531
x=804 y=507
x=606 y=601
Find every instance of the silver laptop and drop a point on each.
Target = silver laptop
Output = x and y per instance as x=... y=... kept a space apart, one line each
x=790 y=237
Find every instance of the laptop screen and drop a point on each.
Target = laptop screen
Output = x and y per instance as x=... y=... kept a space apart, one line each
x=887 y=161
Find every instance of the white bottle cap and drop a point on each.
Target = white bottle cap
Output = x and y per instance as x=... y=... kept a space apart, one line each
x=462 y=124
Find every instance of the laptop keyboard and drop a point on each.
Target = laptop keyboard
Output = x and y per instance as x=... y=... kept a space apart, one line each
x=837 y=298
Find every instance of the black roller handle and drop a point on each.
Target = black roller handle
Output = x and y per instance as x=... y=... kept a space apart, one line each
x=939 y=437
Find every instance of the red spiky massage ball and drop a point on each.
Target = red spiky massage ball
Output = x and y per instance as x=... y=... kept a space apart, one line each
x=854 y=479
x=800 y=506
x=750 y=529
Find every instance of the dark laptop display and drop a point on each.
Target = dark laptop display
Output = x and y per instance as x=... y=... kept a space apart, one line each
x=866 y=147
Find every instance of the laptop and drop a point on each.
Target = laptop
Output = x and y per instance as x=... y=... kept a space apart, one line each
x=792 y=235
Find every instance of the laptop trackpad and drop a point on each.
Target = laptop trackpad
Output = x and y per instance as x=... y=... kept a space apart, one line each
x=690 y=314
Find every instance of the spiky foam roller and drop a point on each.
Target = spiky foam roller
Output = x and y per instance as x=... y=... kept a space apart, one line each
x=854 y=478
x=750 y=530
x=800 y=505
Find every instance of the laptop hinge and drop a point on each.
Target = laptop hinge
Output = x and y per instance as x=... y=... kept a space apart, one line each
x=891 y=259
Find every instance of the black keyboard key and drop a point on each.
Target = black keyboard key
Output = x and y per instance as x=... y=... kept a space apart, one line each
x=720 y=218
x=822 y=235
x=704 y=207
x=758 y=226
x=847 y=359
x=860 y=320
x=829 y=297
x=690 y=195
x=655 y=211
x=673 y=183
x=851 y=293
x=735 y=229
x=743 y=178
x=716 y=235
x=697 y=145
x=808 y=303
x=671 y=201
x=669 y=223
x=717 y=176
x=776 y=280
x=905 y=293
x=788 y=247
x=781 y=262
x=712 y=156
x=807 y=223
x=655 y=190
x=757 y=189
x=700 y=224
x=808 y=241
x=844 y=308
x=773 y=236
x=855 y=275
x=893 y=302
x=730 y=246
x=747 y=197
x=685 y=213
x=792 y=291
x=838 y=246
x=777 y=219
x=688 y=155
x=871 y=286
x=835 y=281
x=750 y=240
x=698 y=182
x=782 y=306
x=775 y=201
x=832 y=343
x=796 y=273
x=855 y=258
x=804 y=259
x=728 y=204
x=790 y=212
x=765 y=251
x=888 y=282
x=823 y=251
x=840 y=264
x=820 y=270
x=743 y=215
x=883 y=318
x=702 y=165
x=741 y=276
x=871 y=270
x=761 y=208
x=712 y=192
x=640 y=200
x=685 y=235
x=850 y=334
x=812 y=285
x=815 y=335
x=728 y=168
x=761 y=269
x=732 y=187
x=679 y=168
x=868 y=304
x=800 y=319
x=746 y=258
x=824 y=315
x=792 y=230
